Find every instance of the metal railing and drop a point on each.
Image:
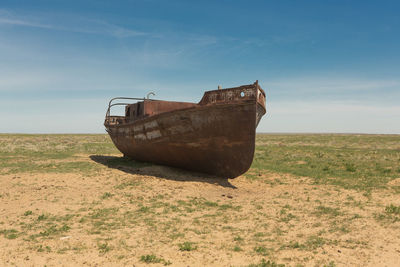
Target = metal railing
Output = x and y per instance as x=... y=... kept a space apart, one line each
x=126 y=98
x=110 y=104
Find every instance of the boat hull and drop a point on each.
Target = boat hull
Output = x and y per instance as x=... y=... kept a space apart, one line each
x=218 y=139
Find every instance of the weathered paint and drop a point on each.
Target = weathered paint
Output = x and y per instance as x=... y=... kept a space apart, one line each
x=153 y=134
x=151 y=124
x=215 y=136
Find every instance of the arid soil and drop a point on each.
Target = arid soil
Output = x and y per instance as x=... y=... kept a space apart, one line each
x=156 y=216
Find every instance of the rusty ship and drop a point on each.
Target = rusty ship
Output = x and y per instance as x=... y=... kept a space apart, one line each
x=215 y=136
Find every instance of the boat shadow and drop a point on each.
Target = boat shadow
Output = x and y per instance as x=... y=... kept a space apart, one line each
x=142 y=168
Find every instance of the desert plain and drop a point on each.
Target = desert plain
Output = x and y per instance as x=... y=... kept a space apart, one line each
x=307 y=200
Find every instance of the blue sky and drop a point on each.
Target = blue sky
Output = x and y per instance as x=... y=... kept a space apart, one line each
x=327 y=66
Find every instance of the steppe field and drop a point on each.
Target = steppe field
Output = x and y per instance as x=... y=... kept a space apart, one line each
x=308 y=200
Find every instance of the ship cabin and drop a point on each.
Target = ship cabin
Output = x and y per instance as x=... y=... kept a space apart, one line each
x=146 y=108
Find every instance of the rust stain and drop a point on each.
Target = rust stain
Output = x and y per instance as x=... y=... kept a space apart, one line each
x=216 y=135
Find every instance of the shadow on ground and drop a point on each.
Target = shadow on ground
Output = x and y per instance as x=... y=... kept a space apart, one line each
x=164 y=172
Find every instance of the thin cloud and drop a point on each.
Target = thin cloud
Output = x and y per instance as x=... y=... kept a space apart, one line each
x=85 y=26
x=103 y=27
x=18 y=22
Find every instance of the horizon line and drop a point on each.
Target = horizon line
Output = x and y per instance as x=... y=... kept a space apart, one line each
x=257 y=133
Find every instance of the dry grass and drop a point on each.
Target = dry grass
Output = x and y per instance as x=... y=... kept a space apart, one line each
x=72 y=200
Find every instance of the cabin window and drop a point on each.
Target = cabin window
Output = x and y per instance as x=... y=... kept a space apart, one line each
x=138 y=109
x=128 y=112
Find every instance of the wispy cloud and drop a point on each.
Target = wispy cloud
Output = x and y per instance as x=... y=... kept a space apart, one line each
x=202 y=40
x=17 y=22
x=79 y=25
x=102 y=27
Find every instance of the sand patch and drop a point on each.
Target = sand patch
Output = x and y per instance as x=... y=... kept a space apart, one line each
x=116 y=216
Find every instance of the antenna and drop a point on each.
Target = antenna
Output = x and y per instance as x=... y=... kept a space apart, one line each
x=150 y=93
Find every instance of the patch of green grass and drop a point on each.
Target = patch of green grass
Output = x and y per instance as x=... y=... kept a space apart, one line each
x=45 y=226
x=176 y=235
x=259 y=234
x=41 y=248
x=350 y=167
x=201 y=204
x=10 y=233
x=103 y=247
x=103 y=213
x=106 y=195
x=286 y=217
x=28 y=212
x=295 y=245
x=150 y=259
x=42 y=217
x=238 y=238
x=53 y=167
x=337 y=227
x=331 y=212
x=75 y=249
x=104 y=219
x=360 y=162
x=265 y=263
x=392 y=209
x=127 y=184
x=330 y=264
x=26 y=153
x=278 y=231
x=262 y=250
x=51 y=230
x=154 y=259
x=313 y=242
x=210 y=204
x=237 y=249
x=396 y=189
x=229 y=206
x=144 y=209
x=391 y=214
x=187 y=246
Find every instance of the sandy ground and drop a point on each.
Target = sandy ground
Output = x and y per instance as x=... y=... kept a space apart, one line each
x=115 y=216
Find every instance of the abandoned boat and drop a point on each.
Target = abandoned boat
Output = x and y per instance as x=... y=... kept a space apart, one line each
x=215 y=136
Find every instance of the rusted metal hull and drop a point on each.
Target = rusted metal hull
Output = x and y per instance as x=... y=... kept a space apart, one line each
x=217 y=136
